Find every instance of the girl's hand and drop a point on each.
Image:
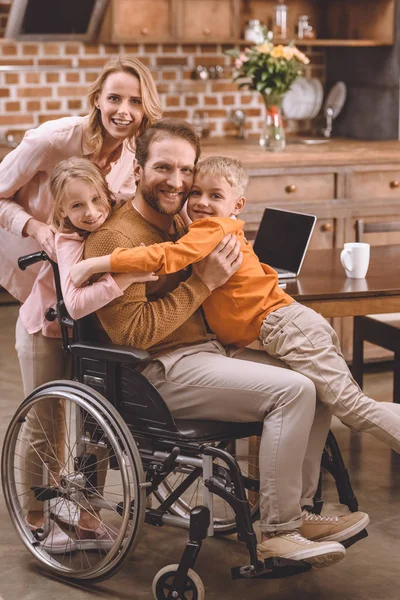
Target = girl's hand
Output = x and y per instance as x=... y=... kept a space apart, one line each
x=43 y=234
x=124 y=280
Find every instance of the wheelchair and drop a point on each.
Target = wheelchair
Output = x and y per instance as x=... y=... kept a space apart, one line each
x=124 y=455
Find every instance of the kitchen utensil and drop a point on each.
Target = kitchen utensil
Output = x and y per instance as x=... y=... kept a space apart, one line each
x=333 y=105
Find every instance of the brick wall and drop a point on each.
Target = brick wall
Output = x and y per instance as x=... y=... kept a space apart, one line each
x=42 y=81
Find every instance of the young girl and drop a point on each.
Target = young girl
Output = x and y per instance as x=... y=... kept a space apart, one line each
x=82 y=202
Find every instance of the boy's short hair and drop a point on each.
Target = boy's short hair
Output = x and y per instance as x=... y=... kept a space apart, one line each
x=229 y=168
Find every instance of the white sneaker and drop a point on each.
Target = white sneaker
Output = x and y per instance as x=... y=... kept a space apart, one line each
x=290 y=544
x=65 y=511
x=57 y=542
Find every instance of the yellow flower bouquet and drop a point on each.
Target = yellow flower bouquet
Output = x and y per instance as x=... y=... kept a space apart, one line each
x=269 y=69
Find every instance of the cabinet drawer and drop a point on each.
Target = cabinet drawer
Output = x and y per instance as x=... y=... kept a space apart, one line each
x=376 y=184
x=129 y=21
x=291 y=187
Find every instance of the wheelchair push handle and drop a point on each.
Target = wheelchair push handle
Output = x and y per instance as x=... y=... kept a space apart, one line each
x=31 y=259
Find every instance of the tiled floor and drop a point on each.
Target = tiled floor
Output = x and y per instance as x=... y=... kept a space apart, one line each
x=369 y=572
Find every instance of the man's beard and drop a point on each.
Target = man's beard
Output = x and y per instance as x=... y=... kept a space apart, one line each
x=150 y=196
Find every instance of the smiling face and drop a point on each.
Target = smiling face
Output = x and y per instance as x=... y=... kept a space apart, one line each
x=82 y=205
x=213 y=196
x=120 y=105
x=167 y=176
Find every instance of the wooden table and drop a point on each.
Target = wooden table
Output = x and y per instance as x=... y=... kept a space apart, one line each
x=323 y=285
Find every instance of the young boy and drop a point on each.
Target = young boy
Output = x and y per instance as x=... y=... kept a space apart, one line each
x=251 y=305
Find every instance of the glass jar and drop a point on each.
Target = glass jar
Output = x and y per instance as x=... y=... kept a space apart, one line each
x=254 y=32
x=304 y=29
x=280 y=22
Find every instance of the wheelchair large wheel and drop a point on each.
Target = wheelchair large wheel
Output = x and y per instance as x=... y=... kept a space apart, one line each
x=224 y=517
x=70 y=446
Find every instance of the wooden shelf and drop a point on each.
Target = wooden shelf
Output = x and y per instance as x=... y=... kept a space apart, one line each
x=328 y=43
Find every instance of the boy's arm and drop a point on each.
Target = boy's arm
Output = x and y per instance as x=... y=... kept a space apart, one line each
x=134 y=319
x=169 y=257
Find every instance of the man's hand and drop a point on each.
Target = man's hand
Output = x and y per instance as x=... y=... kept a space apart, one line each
x=43 y=234
x=221 y=264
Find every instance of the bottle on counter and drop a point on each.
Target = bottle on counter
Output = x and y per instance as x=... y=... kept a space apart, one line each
x=254 y=32
x=280 y=21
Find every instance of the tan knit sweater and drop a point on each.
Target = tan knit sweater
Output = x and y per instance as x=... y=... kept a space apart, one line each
x=158 y=316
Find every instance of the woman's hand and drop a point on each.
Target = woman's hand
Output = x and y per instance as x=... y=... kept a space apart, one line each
x=124 y=280
x=43 y=234
x=216 y=268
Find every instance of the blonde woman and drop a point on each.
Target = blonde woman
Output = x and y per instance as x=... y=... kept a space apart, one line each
x=123 y=101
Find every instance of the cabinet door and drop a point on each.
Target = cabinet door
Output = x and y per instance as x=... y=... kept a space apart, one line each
x=129 y=21
x=209 y=20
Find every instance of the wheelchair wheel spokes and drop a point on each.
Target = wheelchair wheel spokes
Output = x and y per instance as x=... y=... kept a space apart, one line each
x=86 y=471
x=224 y=517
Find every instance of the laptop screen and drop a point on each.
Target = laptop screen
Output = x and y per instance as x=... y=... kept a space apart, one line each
x=283 y=237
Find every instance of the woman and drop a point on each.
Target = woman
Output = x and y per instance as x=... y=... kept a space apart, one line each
x=122 y=101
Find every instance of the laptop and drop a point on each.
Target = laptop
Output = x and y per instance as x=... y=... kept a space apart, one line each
x=282 y=240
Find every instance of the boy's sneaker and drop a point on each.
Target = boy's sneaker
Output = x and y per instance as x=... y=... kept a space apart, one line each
x=319 y=528
x=290 y=544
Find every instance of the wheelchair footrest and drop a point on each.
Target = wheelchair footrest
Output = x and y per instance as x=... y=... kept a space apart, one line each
x=273 y=568
x=356 y=538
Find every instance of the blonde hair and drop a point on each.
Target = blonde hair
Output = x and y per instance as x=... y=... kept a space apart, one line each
x=150 y=100
x=84 y=170
x=229 y=168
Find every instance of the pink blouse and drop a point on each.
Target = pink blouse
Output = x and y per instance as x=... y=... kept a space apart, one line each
x=78 y=301
x=24 y=191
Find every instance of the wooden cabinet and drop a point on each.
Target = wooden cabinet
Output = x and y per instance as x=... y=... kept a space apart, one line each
x=336 y=22
x=128 y=21
x=208 y=20
x=187 y=21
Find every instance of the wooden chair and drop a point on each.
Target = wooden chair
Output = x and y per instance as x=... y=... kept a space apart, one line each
x=381 y=330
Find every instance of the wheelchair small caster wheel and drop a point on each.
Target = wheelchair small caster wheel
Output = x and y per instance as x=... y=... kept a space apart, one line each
x=193 y=590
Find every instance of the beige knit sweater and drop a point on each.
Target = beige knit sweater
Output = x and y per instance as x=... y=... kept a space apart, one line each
x=158 y=316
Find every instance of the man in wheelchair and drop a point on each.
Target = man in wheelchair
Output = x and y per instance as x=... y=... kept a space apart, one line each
x=200 y=379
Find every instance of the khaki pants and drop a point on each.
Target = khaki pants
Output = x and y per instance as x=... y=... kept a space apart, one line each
x=306 y=342
x=207 y=381
x=42 y=438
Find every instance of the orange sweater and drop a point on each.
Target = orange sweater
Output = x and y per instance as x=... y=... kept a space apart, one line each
x=234 y=311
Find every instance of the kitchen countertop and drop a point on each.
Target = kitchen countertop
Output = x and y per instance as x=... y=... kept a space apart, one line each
x=335 y=152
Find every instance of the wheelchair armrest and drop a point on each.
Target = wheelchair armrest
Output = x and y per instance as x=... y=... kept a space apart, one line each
x=119 y=354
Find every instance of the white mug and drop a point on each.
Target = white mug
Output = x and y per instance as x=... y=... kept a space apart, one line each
x=355 y=259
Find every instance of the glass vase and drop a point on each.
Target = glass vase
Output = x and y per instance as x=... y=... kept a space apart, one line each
x=273 y=134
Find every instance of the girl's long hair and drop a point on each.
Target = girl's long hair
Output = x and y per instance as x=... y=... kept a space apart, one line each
x=150 y=100
x=84 y=170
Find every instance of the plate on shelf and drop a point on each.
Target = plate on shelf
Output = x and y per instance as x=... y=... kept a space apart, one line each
x=303 y=100
x=318 y=95
x=336 y=98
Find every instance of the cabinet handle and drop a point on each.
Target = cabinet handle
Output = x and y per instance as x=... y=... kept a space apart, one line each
x=394 y=184
x=144 y=31
x=206 y=31
x=290 y=189
x=326 y=227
